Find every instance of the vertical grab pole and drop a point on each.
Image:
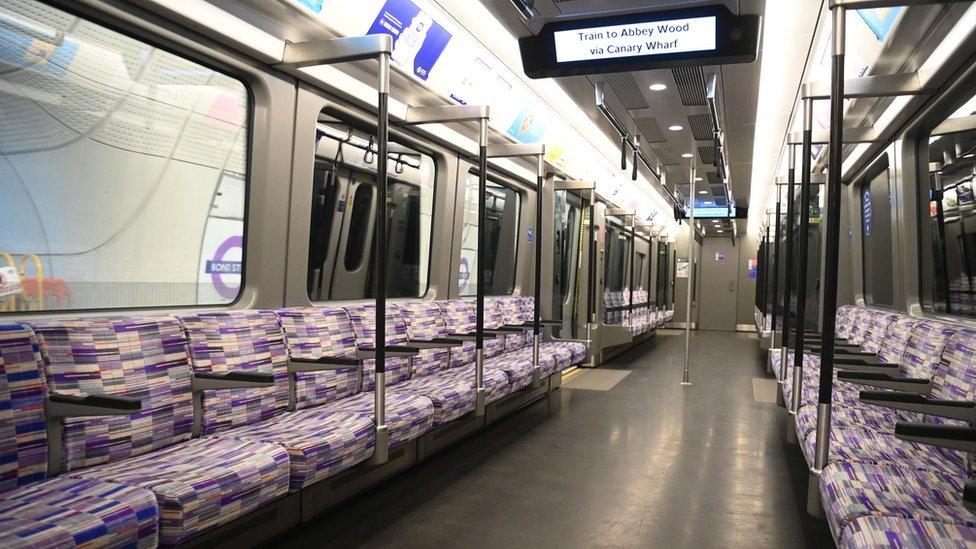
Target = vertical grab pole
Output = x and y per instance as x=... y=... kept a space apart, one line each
x=938 y=195
x=686 y=375
x=777 y=234
x=537 y=305
x=633 y=258
x=829 y=310
x=801 y=282
x=790 y=263
x=479 y=370
x=591 y=273
x=381 y=450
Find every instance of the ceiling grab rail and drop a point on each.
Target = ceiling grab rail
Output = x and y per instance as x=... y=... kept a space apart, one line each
x=417 y=116
x=340 y=50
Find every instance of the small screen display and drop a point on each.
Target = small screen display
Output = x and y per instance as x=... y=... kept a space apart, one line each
x=695 y=34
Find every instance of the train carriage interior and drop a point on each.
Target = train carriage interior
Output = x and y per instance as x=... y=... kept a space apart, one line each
x=487 y=273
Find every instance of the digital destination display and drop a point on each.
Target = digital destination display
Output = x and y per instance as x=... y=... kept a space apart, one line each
x=647 y=40
x=696 y=34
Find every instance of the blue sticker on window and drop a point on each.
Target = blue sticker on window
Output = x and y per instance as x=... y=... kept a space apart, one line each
x=866 y=211
x=342 y=206
x=531 y=234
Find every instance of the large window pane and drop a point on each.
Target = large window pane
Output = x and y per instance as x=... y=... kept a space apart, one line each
x=948 y=238
x=876 y=239
x=502 y=212
x=663 y=273
x=343 y=217
x=122 y=169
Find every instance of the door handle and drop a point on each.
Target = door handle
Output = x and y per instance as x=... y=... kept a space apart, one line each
x=731 y=285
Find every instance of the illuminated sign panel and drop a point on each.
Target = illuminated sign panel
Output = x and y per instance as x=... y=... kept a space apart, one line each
x=695 y=34
x=709 y=35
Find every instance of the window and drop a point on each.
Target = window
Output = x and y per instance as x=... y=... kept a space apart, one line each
x=617 y=256
x=343 y=216
x=663 y=273
x=876 y=238
x=946 y=215
x=502 y=213
x=639 y=275
x=122 y=169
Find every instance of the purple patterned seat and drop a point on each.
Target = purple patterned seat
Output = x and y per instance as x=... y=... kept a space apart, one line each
x=451 y=397
x=886 y=532
x=459 y=314
x=567 y=353
x=314 y=332
x=61 y=512
x=919 y=358
x=500 y=311
x=322 y=440
x=423 y=321
x=363 y=321
x=198 y=484
x=854 y=491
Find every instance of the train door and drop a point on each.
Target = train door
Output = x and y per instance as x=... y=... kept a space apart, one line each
x=566 y=256
x=719 y=284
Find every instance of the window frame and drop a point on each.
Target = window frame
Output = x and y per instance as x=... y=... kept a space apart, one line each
x=499 y=180
x=188 y=45
x=337 y=110
x=881 y=165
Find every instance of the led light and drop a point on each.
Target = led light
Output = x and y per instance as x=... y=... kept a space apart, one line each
x=700 y=192
x=720 y=231
x=687 y=155
x=658 y=87
x=676 y=127
x=698 y=179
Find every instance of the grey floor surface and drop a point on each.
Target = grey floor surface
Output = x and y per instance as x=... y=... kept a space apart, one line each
x=648 y=463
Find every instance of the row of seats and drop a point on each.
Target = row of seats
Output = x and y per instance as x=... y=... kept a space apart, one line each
x=882 y=488
x=138 y=431
x=642 y=318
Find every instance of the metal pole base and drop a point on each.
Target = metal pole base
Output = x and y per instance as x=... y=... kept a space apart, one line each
x=780 y=399
x=791 y=435
x=536 y=369
x=479 y=407
x=814 y=506
x=381 y=451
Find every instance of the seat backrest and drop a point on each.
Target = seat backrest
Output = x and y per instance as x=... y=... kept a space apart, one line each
x=955 y=376
x=23 y=438
x=504 y=310
x=313 y=332
x=925 y=348
x=363 y=318
x=460 y=317
x=238 y=341
x=138 y=357
x=860 y=322
x=896 y=339
x=877 y=328
x=423 y=320
x=845 y=316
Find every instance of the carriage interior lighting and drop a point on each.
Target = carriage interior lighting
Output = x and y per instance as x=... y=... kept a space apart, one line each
x=658 y=87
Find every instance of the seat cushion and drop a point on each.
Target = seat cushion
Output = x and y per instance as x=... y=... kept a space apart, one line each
x=517 y=366
x=860 y=416
x=202 y=483
x=549 y=358
x=851 y=491
x=452 y=396
x=886 y=532
x=577 y=352
x=407 y=416
x=319 y=444
x=69 y=512
x=496 y=381
x=866 y=446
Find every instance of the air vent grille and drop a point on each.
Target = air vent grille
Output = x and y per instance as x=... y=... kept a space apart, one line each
x=691 y=85
x=627 y=91
x=712 y=177
x=650 y=130
x=718 y=190
x=701 y=126
x=707 y=155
